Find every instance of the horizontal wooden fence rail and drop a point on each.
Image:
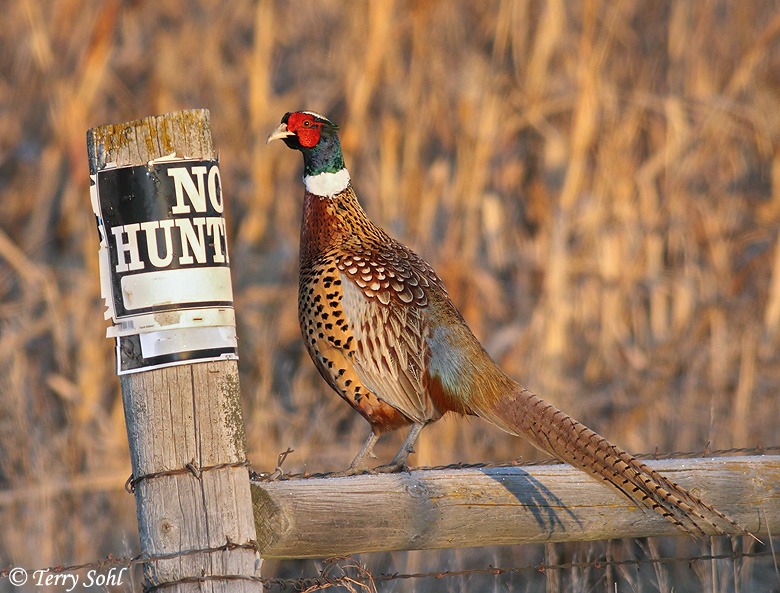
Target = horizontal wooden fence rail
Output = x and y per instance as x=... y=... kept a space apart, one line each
x=314 y=518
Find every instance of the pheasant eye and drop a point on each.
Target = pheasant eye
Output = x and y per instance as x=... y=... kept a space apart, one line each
x=306 y=123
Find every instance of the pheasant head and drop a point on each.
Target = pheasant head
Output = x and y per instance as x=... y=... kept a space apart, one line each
x=324 y=173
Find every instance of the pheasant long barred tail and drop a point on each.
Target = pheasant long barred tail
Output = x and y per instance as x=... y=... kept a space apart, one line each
x=548 y=428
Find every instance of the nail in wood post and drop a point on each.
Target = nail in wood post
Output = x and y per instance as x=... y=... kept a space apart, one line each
x=166 y=281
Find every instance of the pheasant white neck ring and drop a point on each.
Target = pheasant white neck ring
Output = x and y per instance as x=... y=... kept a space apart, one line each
x=327 y=184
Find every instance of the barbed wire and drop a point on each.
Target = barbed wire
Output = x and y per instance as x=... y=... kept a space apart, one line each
x=189 y=468
x=279 y=474
x=112 y=561
x=543 y=567
x=363 y=576
x=324 y=579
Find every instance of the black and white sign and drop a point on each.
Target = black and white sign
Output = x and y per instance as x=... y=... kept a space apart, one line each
x=164 y=263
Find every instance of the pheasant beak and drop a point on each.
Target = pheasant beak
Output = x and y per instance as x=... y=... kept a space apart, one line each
x=280 y=133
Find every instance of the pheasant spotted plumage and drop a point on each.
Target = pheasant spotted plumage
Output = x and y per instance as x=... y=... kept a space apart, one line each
x=384 y=334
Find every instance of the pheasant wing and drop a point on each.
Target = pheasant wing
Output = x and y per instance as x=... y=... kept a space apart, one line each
x=385 y=304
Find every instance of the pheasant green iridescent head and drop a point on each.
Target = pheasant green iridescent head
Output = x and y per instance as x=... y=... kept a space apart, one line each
x=315 y=136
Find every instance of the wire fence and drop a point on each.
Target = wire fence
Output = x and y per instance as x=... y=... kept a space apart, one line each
x=346 y=571
x=280 y=474
x=350 y=573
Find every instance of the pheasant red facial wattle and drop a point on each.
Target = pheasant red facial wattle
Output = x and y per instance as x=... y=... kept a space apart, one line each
x=305 y=127
x=384 y=334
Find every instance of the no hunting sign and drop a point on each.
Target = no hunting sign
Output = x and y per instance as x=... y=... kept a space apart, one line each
x=164 y=263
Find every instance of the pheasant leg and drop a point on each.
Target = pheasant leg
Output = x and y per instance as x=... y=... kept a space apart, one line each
x=398 y=464
x=359 y=465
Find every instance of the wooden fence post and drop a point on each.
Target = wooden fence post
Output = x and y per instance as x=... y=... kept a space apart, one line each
x=184 y=422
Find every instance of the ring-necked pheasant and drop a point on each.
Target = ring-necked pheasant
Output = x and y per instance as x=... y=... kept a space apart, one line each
x=385 y=335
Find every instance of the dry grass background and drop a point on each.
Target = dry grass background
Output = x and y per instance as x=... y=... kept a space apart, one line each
x=597 y=183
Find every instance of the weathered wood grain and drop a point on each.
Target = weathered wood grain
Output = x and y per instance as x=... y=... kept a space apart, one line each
x=482 y=507
x=184 y=413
